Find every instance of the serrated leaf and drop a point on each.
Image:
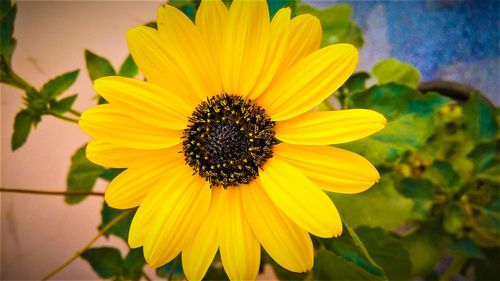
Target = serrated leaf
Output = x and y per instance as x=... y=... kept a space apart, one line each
x=98 y=66
x=121 y=228
x=329 y=266
x=22 y=127
x=82 y=175
x=128 y=68
x=387 y=251
x=63 y=105
x=58 y=85
x=480 y=118
x=7 y=27
x=106 y=261
x=392 y=70
x=133 y=264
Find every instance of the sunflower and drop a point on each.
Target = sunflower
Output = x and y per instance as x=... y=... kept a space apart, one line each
x=221 y=149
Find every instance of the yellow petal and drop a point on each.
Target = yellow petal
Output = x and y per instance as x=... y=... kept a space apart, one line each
x=114 y=156
x=333 y=169
x=239 y=249
x=244 y=45
x=288 y=244
x=309 y=81
x=199 y=253
x=299 y=198
x=188 y=50
x=184 y=203
x=305 y=38
x=145 y=101
x=157 y=64
x=130 y=187
x=111 y=125
x=330 y=127
x=279 y=34
x=210 y=20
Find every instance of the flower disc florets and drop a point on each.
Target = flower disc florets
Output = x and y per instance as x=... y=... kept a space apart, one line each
x=229 y=140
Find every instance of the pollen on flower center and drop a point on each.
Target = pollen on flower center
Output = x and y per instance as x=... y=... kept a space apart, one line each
x=228 y=140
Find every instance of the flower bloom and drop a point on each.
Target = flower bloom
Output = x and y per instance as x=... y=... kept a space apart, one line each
x=221 y=149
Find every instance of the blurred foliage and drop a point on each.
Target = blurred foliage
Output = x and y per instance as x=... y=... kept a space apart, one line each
x=439 y=163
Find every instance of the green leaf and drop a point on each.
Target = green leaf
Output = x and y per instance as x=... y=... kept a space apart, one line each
x=164 y=271
x=22 y=127
x=463 y=247
x=6 y=61
x=111 y=173
x=356 y=82
x=350 y=247
x=121 y=228
x=133 y=264
x=488 y=269
x=381 y=205
x=98 y=66
x=82 y=175
x=480 y=118
x=410 y=116
x=441 y=173
x=283 y=274
x=5 y=6
x=7 y=27
x=387 y=251
x=63 y=105
x=128 y=68
x=454 y=218
x=416 y=188
x=392 y=70
x=336 y=24
x=486 y=157
x=58 y=85
x=275 y=5
x=106 y=261
x=329 y=266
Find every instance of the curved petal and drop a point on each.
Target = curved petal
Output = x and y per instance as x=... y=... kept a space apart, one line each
x=288 y=244
x=145 y=101
x=244 y=45
x=333 y=169
x=114 y=156
x=309 y=81
x=330 y=127
x=305 y=38
x=184 y=203
x=239 y=249
x=199 y=253
x=300 y=199
x=188 y=50
x=157 y=64
x=210 y=20
x=279 y=34
x=109 y=124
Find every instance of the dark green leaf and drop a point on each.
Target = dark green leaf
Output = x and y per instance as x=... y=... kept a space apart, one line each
x=133 y=264
x=121 y=228
x=22 y=127
x=186 y=6
x=283 y=274
x=392 y=70
x=463 y=247
x=58 y=85
x=82 y=175
x=356 y=82
x=164 y=271
x=275 y=5
x=488 y=269
x=329 y=266
x=5 y=6
x=106 y=261
x=63 y=105
x=98 y=66
x=215 y=273
x=480 y=119
x=7 y=27
x=128 y=68
x=110 y=174
x=486 y=157
x=387 y=251
x=441 y=173
x=416 y=188
x=336 y=24
x=6 y=61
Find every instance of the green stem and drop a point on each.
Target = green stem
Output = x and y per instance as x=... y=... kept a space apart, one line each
x=64 y=117
x=44 y=192
x=174 y=265
x=453 y=269
x=75 y=112
x=79 y=252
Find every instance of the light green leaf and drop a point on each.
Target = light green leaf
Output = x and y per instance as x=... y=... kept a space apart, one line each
x=329 y=266
x=82 y=175
x=480 y=118
x=63 y=105
x=7 y=26
x=121 y=228
x=128 y=68
x=106 y=261
x=454 y=218
x=392 y=70
x=22 y=127
x=486 y=158
x=58 y=85
x=98 y=66
x=336 y=24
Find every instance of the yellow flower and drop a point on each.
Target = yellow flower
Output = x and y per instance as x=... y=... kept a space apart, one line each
x=221 y=149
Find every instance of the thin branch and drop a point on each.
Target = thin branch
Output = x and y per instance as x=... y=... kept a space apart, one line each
x=64 y=117
x=453 y=269
x=45 y=192
x=75 y=112
x=77 y=254
x=146 y=276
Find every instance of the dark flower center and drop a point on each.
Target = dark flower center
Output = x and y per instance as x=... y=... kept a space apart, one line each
x=229 y=140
